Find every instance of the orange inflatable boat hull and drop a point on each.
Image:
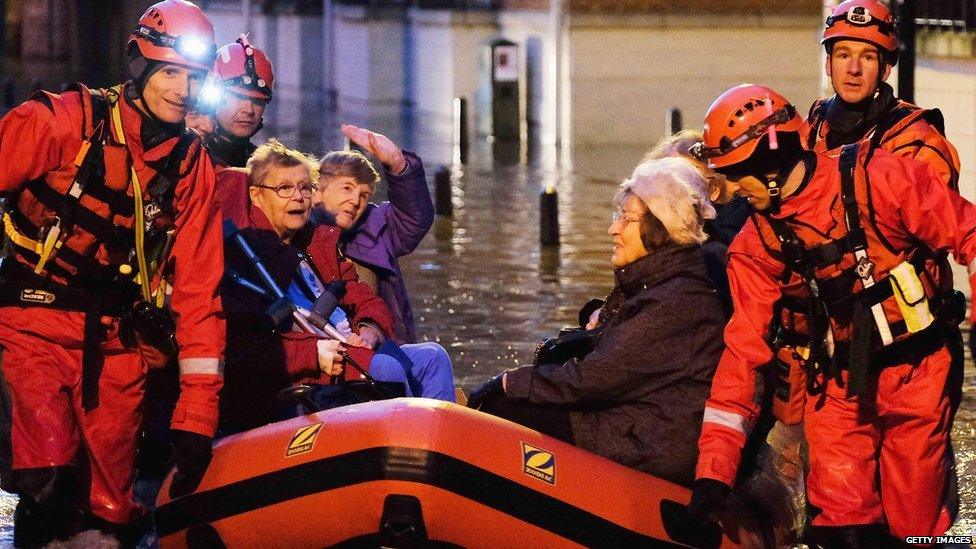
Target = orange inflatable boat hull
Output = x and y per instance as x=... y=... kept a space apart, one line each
x=414 y=471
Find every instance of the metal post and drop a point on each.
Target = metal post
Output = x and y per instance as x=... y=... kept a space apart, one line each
x=549 y=216
x=328 y=31
x=673 y=120
x=906 y=57
x=443 y=204
x=461 y=130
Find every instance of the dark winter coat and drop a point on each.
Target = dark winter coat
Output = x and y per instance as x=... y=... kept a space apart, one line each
x=259 y=361
x=390 y=230
x=638 y=398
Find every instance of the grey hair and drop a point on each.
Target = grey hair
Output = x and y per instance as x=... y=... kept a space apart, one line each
x=679 y=144
x=676 y=193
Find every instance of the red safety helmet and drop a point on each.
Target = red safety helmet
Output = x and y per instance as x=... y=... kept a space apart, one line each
x=739 y=118
x=244 y=69
x=175 y=31
x=863 y=20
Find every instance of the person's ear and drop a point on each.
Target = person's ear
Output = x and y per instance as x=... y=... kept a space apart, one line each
x=254 y=193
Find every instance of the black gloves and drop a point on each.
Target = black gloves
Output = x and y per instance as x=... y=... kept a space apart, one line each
x=191 y=455
x=708 y=499
x=486 y=390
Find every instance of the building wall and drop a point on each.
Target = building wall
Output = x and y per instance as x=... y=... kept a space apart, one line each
x=627 y=73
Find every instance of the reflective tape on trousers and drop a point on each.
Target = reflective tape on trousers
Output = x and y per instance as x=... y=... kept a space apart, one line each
x=210 y=366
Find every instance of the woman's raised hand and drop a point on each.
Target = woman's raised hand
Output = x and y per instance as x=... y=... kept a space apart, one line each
x=378 y=145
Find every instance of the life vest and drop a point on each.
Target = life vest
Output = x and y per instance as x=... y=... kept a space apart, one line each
x=896 y=130
x=76 y=223
x=850 y=291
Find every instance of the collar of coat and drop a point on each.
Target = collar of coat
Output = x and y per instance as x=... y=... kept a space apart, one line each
x=660 y=265
x=362 y=241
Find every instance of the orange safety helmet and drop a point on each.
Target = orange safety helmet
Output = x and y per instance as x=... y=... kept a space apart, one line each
x=175 y=31
x=863 y=20
x=739 y=118
x=244 y=69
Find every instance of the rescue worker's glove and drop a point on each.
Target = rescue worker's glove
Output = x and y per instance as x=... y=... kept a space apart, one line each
x=708 y=499
x=486 y=390
x=191 y=455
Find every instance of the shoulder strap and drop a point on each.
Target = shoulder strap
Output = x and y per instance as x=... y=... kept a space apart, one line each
x=815 y=119
x=852 y=214
x=893 y=118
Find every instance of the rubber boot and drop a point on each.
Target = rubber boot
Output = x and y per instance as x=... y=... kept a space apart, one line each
x=127 y=534
x=861 y=536
x=47 y=508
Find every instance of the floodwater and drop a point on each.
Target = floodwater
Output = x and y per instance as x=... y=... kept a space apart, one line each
x=484 y=288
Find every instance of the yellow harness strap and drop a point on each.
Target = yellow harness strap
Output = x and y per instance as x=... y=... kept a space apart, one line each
x=19 y=239
x=139 y=223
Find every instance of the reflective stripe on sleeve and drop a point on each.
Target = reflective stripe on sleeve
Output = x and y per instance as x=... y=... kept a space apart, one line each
x=210 y=366
x=726 y=419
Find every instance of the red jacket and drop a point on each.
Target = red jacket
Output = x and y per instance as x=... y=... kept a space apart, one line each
x=259 y=361
x=40 y=139
x=909 y=204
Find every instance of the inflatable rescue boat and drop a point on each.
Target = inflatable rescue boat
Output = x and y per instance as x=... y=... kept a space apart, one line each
x=414 y=472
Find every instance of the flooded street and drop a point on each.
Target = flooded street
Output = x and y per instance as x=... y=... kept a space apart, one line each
x=483 y=287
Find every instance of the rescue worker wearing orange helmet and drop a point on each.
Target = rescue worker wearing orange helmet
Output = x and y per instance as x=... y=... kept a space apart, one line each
x=862 y=47
x=871 y=348
x=245 y=79
x=110 y=209
x=861 y=41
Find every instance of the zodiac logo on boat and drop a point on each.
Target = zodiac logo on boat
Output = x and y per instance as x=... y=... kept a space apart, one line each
x=539 y=463
x=303 y=440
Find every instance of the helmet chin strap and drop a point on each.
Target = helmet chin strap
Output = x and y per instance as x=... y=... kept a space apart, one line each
x=774 y=186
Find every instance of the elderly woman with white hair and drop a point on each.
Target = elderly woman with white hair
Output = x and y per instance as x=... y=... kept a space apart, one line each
x=639 y=395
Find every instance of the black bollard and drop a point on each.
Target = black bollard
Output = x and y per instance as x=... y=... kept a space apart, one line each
x=674 y=120
x=461 y=129
x=8 y=93
x=549 y=216
x=443 y=204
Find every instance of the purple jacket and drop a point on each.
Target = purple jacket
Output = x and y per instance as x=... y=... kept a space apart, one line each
x=390 y=230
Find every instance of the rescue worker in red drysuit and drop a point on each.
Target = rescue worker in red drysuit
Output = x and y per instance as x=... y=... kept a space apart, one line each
x=89 y=225
x=877 y=412
x=861 y=41
x=243 y=80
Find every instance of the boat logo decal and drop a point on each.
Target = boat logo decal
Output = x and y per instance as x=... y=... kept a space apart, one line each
x=539 y=463
x=303 y=440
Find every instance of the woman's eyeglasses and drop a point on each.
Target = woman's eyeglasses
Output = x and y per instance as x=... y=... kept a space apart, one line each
x=287 y=191
x=617 y=216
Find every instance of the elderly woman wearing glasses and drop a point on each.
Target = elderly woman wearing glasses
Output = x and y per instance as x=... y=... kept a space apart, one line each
x=270 y=203
x=638 y=397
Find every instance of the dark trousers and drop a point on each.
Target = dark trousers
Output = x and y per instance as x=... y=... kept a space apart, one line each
x=545 y=419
